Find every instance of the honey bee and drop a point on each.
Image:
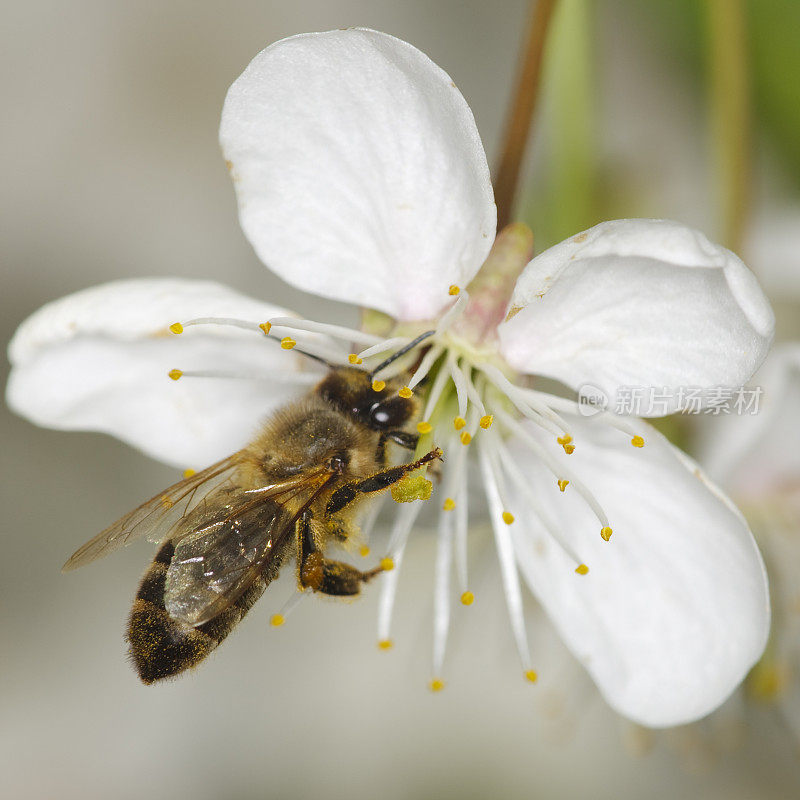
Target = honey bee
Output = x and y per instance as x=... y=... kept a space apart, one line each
x=225 y=532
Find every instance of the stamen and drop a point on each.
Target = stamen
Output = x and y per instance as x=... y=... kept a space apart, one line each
x=582 y=569
x=385 y=644
x=453 y=313
x=334 y=331
x=354 y=359
x=460 y=382
x=508 y=517
x=364 y=550
x=637 y=441
x=562 y=484
x=405 y=392
x=387 y=564
x=425 y=365
x=266 y=327
x=449 y=504
x=175 y=374
x=176 y=328
x=187 y=473
x=436 y=685
x=606 y=532
x=228 y=322
x=278 y=619
x=459 y=423
x=473 y=394
x=466 y=437
x=486 y=421
x=424 y=427
x=276 y=377
x=453 y=290
x=457 y=488
x=531 y=675
x=467 y=598
x=441 y=590
x=287 y=343
x=439 y=382
x=384 y=346
x=378 y=386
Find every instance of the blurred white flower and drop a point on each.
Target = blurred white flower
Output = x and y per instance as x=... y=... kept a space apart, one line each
x=360 y=176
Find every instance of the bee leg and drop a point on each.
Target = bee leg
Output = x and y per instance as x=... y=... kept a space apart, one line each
x=346 y=494
x=324 y=574
x=380 y=452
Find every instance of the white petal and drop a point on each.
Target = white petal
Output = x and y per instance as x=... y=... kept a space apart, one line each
x=638 y=303
x=98 y=360
x=675 y=608
x=359 y=171
x=755 y=454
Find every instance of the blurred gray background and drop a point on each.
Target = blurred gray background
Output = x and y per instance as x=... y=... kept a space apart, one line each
x=112 y=169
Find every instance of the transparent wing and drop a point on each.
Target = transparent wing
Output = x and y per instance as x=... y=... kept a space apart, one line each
x=155 y=518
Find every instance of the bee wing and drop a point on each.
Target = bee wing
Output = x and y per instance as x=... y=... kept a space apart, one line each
x=230 y=543
x=155 y=518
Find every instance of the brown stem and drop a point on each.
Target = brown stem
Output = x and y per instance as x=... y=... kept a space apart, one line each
x=518 y=122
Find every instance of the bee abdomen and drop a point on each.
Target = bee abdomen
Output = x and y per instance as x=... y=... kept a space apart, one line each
x=161 y=646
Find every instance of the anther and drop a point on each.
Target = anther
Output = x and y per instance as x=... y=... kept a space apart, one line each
x=606 y=533
x=424 y=427
x=277 y=620
x=175 y=374
x=405 y=392
x=508 y=517
x=582 y=569
x=637 y=441
x=387 y=564
x=454 y=290
x=176 y=327
x=436 y=685
x=354 y=359
x=565 y=439
x=467 y=598
x=363 y=551
x=187 y=473
x=531 y=675
x=466 y=437
x=266 y=327
x=569 y=449
x=385 y=644
x=486 y=421
x=459 y=423
x=449 y=504
x=562 y=484
x=287 y=343
x=378 y=386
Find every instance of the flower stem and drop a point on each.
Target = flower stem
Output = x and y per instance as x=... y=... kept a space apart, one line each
x=730 y=113
x=518 y=121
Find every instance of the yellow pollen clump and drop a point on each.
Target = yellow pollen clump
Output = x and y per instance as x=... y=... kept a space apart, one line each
x=363 y=551
x=569 y=449
x=466 y=437
x=424 y=427
x=565 y=439
x=508 y=517
x=486 y=421
x=405 y=392
x=411 y=488
x=454 y=290
x=354 y=359
x=287 y=343
x=266 y=327
x=459 y=423
x=531 y=675
x=637 y=441
x=276 y=620
x=187 y=473
x=385 y=644
x=449 y=504
x=467 y=598
x=436 y=685
x=176 y=327
x=562 y=484
x=606 y=532
x=378 y=386
x=387 y=564
x=582 y=569
x=175 y=374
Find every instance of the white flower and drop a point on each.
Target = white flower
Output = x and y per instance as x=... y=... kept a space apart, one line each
x=360 y=176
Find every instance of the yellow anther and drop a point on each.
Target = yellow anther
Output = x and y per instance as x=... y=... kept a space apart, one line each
x=569 y=449
x=387 y=564
x=411 y=488
x=453 y=290
x=187 y=473
x=466 y=437
x=449 y=504
x=459 y=423
x=176 y=327
x=508 y=517
x=637 y=441
x=767 y=680
x=175 y=374
x=287 y=343
x=354 y=359
x=563 y=483
x=266 y=327
x=385 y=644
x=424 y=427
x=378 y=386
x=363 y=551
x=606 y=533
x=276 y=620
x=486 y=421
x=582 y=569
x=531 y=675
x=166 y=502
x=565 y=439
x=436 y=685
x=467 y=598
x=405 y=392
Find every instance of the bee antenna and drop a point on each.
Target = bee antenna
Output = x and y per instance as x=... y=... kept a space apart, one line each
x=401 y=352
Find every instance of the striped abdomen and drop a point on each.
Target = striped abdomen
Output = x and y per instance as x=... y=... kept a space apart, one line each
x=160 y=646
